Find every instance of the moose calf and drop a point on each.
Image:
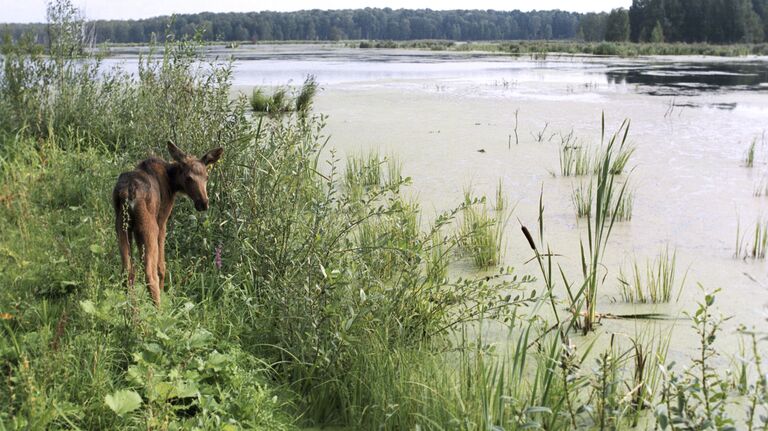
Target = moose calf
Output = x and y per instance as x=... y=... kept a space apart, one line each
x=143 y=200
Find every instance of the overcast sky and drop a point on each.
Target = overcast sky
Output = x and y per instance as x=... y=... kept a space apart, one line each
x=34 y=10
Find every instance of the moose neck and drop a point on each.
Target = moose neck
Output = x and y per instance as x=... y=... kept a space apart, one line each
x=173 y=171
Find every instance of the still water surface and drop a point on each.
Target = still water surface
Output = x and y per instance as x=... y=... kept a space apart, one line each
x=692 y=120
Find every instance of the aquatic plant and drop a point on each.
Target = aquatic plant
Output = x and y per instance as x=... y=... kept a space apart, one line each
x=756 y=249
x=259 y=100
x=501 y=197
x=608 y=197
x=623 y=207
x=482 y=232
x=749 y=156
x=539 y=136
x=394 y=169
x=657 y=285
x=306 y=95
x=364 y=170
x=581 y=197
x=761 y=188
x=575 y=160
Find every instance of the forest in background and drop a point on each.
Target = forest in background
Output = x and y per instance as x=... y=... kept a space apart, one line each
x=712 y=21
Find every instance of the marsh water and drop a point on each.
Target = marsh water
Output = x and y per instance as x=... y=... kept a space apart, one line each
x=692 y=121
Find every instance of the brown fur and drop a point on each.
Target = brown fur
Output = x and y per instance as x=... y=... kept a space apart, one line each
x=143 y=200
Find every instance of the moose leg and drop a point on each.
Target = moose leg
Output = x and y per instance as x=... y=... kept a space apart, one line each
x=161 y=257
x=147 y=234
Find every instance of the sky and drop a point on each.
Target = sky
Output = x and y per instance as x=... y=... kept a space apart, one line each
x=34 y=10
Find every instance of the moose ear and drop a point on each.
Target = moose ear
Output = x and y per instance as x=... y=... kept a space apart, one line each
x=212 y=156
x=176 y=153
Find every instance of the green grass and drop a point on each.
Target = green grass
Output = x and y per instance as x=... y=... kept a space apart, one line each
x=654 y=285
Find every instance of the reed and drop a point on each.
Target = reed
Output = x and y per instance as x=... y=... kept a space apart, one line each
x=623 y=207
x=749 y=156
x=581 y=197
x=608 y=197
x=761 y=188
x=752 y=244
x=394 y=169
x=622 y=157
x=501 y=197
x=575 y=160
x=259 y=100
x=654 y=285
x=364 y=170
x=306 y=95
x=482 y=232
x=541 y=134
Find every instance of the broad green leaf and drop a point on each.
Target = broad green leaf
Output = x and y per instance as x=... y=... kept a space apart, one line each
x=123 y=401
x=185 y=389
x=88 y=306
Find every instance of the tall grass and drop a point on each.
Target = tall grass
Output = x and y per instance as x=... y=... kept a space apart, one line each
x=752 y=244
x=306 y=95
x=365 y=170
x=654 y=285
x=608 y=197
x=623 y=207
x=394 y=169
x=749 y=156
x=575 y=160
x=581 y=197
x=482 y=232
x=280 y=102
x=501 y=197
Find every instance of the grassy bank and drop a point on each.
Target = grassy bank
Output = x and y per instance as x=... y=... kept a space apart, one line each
x=541 y=48
x=307 y=295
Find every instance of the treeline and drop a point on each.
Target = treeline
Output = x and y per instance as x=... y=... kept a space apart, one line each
x=334 y=25
x=714 y=21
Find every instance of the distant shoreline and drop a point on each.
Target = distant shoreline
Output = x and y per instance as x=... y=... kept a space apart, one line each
x=536 y=48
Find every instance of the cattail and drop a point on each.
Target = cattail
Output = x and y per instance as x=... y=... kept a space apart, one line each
x=529 y=238
x=217 y=258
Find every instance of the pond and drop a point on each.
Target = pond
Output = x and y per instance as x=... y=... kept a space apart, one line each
x=450 y=118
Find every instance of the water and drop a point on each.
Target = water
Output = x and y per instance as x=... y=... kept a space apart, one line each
x=693 y=119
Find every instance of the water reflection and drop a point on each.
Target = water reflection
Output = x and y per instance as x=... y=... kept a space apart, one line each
x=692 y=78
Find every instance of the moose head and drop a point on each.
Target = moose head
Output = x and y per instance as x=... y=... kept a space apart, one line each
x=191 y=175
